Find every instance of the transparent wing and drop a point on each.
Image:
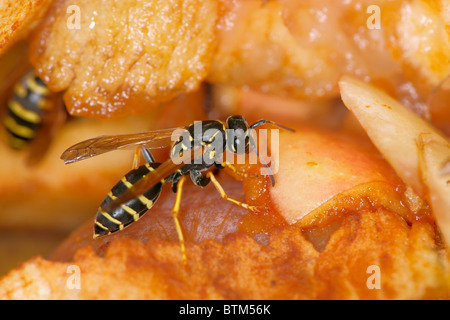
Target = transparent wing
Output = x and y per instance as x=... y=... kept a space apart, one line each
x=152 y=178
x=95 y=146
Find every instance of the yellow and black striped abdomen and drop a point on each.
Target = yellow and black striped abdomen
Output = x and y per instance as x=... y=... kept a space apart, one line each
x=26 y=107
x=109 y=222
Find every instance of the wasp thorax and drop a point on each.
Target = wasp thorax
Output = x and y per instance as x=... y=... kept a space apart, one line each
x=203 y=142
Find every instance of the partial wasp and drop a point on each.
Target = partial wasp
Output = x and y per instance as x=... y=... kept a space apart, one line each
x=34 y=114
x=200 y=146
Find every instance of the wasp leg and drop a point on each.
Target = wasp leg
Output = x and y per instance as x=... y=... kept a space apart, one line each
x=175 y=210
x=175 y=177
x=222 y=193
x=137 y=156
x=236 y=171
x=199 y=179
x=147 y=156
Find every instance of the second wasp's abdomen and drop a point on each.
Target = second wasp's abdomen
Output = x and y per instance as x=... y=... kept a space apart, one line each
x=109 y=222
x=25 y=109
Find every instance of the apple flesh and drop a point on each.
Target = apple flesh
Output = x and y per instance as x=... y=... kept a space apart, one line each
x=320 y=173
x=417 y=151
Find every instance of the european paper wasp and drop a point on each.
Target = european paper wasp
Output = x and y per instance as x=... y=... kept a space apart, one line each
x=139 y=189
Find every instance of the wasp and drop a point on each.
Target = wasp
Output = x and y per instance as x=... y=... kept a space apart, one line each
x=200 y=145
x=34 y=113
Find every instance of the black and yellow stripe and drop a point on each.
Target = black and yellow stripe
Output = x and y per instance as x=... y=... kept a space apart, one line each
x=26 y=107
x=109 y=222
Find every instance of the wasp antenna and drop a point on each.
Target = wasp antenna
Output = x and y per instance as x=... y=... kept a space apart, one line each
x=272 y=179
x=262 y=121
